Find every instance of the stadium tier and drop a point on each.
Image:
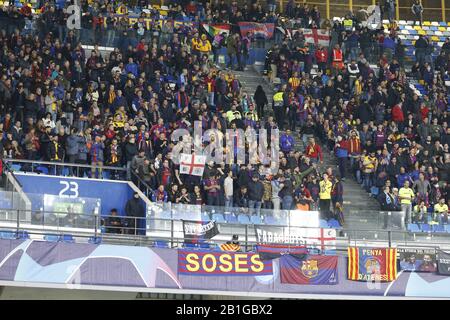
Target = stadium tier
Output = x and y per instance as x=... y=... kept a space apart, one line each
x=269 y=153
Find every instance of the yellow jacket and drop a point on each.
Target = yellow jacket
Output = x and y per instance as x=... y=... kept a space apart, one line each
x=325 y=189
x=204 y=46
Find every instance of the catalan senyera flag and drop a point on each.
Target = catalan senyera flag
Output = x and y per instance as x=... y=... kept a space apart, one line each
x=230 y=247
x=372 y=264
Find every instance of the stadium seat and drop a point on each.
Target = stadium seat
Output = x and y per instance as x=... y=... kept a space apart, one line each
x=41 y=169
x=270 y=220
x=106 y=174
x=7 y=235
x=244 y=219
x=323 y=223
x=425 y=227
x=422 y=32
x=433 y=28
x=413 y=227
x=418 y=28
x=426 y=23
x=443 y=29
x=16 y=167
x=161 y=244
x=52 y=237
x=190 y=245
x=218 y=217
x=204 y=245
x=438 y=228
x=231 y=218
x=95 y=240
x=447 y=228
x=67 y=238
x=205 y=217
x=333 y=223
x=22 y=235
x=65 y=172
x=255 y=219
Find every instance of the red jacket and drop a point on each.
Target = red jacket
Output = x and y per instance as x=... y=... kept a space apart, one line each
x=321 y=56
x=397 y=114
x=314 y=152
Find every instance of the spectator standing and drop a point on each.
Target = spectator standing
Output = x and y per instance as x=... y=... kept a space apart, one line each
x=417 y=10
x=135 y=212
x=406 y=196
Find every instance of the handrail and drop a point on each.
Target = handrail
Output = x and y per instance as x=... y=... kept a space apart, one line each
x=65 y=164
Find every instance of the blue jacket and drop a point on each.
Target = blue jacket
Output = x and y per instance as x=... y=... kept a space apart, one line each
x=133 y=68
x=287 y=143
x=389 y=43
x=341 y=153
x=402 y=178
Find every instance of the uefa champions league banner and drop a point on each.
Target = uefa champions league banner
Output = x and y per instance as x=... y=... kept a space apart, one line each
x=113 y=267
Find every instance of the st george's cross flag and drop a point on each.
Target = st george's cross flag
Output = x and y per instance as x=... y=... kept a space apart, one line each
x=192 y=164
x=317 y=36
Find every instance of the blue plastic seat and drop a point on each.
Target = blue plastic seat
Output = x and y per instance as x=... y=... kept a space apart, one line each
x=190 y=245
x=41 y=169
x=443 y=24
x=22 y=235
x=7 y=235
x=205 y=217
x=243 y=219
x=95 y=240
x=270 y=220
x=218 y=217
x=425 y=227
x=439 y=228
x=413 y=227
x=16 y=167
x=65 y=172
x=204 y=245
x=52 y=237
x=333 y=223
x=231 y=218
x=447 y=228
x=106 y=174
x=161 y=244
x=323 y=223
x=255 y=219
x=67 y=238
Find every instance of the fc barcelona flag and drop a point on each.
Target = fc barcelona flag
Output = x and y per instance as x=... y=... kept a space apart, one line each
x=372 y=264
x=314 y=269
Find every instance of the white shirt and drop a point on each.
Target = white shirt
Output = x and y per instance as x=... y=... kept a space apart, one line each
x=228 y=186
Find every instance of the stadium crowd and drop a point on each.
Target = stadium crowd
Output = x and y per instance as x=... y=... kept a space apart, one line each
x=60 y=104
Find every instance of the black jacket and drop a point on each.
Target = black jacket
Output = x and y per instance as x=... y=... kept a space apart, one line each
x=255 y=190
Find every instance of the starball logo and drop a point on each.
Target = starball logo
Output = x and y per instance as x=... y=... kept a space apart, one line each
x=235 y=146
x=74 y=18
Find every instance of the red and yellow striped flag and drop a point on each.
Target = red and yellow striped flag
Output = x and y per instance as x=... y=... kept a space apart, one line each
x=230 y=247
x=372 y=264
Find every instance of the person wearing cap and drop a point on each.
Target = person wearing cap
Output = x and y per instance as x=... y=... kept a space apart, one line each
x=204 y=45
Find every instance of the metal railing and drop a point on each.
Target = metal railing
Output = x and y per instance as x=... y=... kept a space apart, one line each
x=169 y=233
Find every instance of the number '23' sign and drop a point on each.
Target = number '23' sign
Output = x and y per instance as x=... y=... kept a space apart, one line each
x=69 y=190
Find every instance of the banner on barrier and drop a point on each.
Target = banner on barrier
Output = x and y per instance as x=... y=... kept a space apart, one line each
x=443 y=262
x=324 y=239
x=413 y=259
x=219 y=263
x=372 y=264
x=314 y=269
x=199 y=230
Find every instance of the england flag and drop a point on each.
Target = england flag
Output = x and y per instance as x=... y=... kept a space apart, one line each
x=192 y=164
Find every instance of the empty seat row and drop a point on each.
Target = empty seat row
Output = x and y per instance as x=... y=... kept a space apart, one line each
x=425 y=227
